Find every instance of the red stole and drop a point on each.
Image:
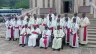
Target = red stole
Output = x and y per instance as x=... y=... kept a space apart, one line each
x=16 y=27
x=23 y=36
x=35 y=32
x=12 y=33
x=68 y=34
x=85 y=33
x=51 y=29
x=74 y=39
x=45 y=40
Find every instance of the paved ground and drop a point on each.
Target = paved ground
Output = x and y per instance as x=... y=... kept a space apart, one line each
x=12 y=47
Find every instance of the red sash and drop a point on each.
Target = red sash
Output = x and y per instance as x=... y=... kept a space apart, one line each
x=85 y=33
x=34 y=32
x=45 y=42
x=36 y=25
x=16 y=27
x=51 y=29
x=29 y=27
x=74 y=40
x=23 y=36
x=22 y=27
x=45 y=35
x=12 y=33
x=68 y=34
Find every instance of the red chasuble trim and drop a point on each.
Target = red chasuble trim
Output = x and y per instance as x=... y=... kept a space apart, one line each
x=45 y=42
x=35 y=32
x=51 y=29
x=68 y=34
x=74 y=40
x=23 y=36
x=12 y=33
x=85 y=33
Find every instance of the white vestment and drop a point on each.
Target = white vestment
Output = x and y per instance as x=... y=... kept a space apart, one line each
x=83 y=30
x=8 y=31
x=52 y=15
x=66 y=30
x=43 y=23
x=57 y=41
x=16 y=29
x=24 y=32
x=74 y=42
x=77 y=20
x=34 y=22
x=44 y=41
x=33 y=37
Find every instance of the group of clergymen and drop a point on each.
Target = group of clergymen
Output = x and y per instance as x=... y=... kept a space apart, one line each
x=51 y=30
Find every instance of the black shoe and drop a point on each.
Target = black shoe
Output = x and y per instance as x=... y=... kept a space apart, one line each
x=58 y=49
x=45 y=47
x=9 y=39
x=22 y=45
x=53 y=49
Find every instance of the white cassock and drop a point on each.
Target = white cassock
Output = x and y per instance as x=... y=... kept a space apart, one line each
x=59 y=24
x=23 y=38
x=83 y=30
x=35 y=22
x=77 y=20
x=44 y=41
x=16 y=29
x=33 y=37
x=52 y=15
x=51 y=25
x=66 y=30
x=57 y=41
x=21 y=24
x=43 y=23
x=8 y=31
x=74 y=42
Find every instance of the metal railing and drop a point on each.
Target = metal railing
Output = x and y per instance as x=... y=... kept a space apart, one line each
x=32 y=11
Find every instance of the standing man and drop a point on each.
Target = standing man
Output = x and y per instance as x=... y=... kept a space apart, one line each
x=46 y=35
x=83 y=29
x=43 y=23
x=57 y=41
x=77 y=18
x=67 y=25
x=16 y=29
x=35 y=33
x=74 y=42
x=8 y=29
x=35 y=21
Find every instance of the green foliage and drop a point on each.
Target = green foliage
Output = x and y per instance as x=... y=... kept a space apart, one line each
x=22 y=4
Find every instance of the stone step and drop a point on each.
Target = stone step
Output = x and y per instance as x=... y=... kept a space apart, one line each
x=91 y=46
x=91 y=29
x=91 y=32
x=91 y=39
x=92 y=42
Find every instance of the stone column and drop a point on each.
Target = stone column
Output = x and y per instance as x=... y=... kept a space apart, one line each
x=94 y=2
x=33 y=2
x=75 y=6
x=51 y=3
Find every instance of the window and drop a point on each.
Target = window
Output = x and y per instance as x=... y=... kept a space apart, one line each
x=48 y=3
x=35 y=3
x=84 y=2
x=43 y=3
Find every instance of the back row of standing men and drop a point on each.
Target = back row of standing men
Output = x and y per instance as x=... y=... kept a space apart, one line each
x=45 y=30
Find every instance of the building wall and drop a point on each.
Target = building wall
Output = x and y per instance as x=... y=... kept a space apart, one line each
x=58 y=4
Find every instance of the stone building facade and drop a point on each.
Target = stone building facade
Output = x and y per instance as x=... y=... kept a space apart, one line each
x=62 y=6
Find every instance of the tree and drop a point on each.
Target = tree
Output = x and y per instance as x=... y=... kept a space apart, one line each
x=22 y=4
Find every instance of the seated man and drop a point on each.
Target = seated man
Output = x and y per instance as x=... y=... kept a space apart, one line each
x=57 y=41
x=35 y=32
x=74 y=42
x=24 y=33
x=44 y=41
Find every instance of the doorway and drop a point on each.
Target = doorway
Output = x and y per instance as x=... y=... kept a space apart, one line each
x=66 y=7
